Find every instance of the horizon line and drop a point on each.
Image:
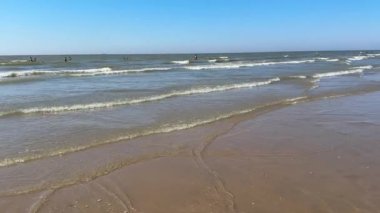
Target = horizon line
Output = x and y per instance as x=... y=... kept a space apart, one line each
x=192 y=53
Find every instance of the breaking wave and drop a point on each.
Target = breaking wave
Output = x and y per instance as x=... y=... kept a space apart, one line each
x=181 y=62
x=362 y=57
x=91 y=106
x=82 y=72
x=240 y=65
x=327 y=59
x=344 y=72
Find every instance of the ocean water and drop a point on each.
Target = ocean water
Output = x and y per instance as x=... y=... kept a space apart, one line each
x=51 y=107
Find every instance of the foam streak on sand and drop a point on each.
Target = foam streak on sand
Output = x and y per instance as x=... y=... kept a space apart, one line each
x=163 y=129
x=201 y=90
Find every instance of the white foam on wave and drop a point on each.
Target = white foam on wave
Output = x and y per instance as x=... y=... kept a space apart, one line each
x=116 y=72
x=358 y=58
x=221 y=59
x=181 y=62
x=327 y=59
x=368 y=67
x=363 y=57
x=332 y=60
x=80 y=72
x=356 y=70
x=95 y=70
x=298 y=76
x=50 y=72
x=314 y=87
x=347 y=62
x=24 y=73
x=296 y=100
x=16 y=61
x=374 y=55
x=240 y=65
x=322 y=59
x=91 y=106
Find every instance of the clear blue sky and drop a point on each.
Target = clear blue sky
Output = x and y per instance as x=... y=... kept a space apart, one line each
x=172 y=26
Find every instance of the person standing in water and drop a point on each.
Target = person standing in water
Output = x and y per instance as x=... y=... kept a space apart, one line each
x=65 y=59
x=195 y=57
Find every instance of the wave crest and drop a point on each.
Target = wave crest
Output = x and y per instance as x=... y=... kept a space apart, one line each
x=240 y=65
x=80 y=72
x=363 y=57
x=91 y=106
x=344 y=72
x=181 y=62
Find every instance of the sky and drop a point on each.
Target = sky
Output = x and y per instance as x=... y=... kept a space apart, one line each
x=186 y=26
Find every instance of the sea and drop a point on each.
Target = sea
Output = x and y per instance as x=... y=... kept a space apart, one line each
x=53 y=105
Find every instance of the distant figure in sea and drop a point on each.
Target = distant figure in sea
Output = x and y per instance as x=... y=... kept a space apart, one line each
x=195 y=57
x=31 y=59
x=65 y=59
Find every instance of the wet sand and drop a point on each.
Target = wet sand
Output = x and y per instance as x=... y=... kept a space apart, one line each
x=320 y=156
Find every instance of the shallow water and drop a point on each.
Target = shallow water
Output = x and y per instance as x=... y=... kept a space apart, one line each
x=50 y=107
x=68 y=128
x=309 y=157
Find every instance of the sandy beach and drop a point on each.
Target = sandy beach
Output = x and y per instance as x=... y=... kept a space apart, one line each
x=319 y=156
x=189 y=106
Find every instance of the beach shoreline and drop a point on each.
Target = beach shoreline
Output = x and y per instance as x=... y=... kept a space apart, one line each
x=319 y=156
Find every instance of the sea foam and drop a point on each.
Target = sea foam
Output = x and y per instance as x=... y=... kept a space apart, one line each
x=241 y=64
x=181 y=62
x=356 y=70
x=363 y=57
x=79 y=72
x=91 y=106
